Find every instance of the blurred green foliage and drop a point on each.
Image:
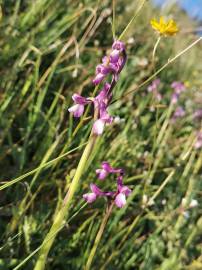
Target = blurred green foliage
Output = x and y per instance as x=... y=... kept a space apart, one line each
x=48 y=51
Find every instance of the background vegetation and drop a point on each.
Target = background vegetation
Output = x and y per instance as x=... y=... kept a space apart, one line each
x=48 y=51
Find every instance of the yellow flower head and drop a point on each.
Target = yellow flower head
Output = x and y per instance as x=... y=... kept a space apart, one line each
x=168 y=28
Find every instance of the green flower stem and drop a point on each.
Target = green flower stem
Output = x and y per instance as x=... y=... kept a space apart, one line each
x=154 y=52
x=99 y=236
x=64 y=211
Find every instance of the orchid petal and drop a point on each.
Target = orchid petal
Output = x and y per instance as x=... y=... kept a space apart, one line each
x=120 y=200
x=95 y=189
x=106 y=166
x=78 y=99
x=98 y=78
x=125 y=190
x=101 y=173
x=77 y=110
x=90 y=197
x=114 y=56
x=118 y=45
x=98 y=126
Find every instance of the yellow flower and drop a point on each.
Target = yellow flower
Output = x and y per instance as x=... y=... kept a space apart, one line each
x=168 y=28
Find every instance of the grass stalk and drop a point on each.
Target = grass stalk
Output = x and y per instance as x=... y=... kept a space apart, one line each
x=98 y=237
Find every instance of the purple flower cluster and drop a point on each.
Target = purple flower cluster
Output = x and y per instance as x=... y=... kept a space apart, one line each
x=153 y=88
x=178 y=87
x=178 y=113
x=119 y=196
x=111 y=65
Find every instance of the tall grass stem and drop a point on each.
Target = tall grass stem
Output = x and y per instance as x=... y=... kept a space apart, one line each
x=98 y=237
x=64 y=211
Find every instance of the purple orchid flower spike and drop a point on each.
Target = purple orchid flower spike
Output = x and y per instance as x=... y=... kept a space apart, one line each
x=78 y=108
x=106 y=170
x=112 y=64
x=101 y=102
x=118 y=57
x=104 y=95
x=102 y=70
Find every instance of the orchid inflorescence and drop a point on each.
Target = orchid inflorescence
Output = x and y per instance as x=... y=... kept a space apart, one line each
x=111 y=65
x=118 y=196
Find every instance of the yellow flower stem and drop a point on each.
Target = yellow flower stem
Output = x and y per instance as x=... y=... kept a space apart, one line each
x=64 y=211
x=169 y=62
x=99 y=236
x=154 y=52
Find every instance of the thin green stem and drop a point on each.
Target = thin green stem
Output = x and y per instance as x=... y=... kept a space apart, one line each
x=98 y=237
x=154 y=52
x=64 y=211
x=132 y=20
x=44 y=165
